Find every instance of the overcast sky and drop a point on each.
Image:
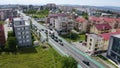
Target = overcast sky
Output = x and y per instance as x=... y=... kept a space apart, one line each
x=73 y=2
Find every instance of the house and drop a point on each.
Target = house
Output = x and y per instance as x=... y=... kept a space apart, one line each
x=114 y=48
x=100 y=28
x=110 y=21
x=94 y=43
x=2 y=35
x=22 y=32
x=81 y=24
x=106 y=37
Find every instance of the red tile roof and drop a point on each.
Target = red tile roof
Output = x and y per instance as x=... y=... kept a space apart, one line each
x=118 y=20
x=109 y=20
x=81 y=20
x=102 y=26
x=106 y=36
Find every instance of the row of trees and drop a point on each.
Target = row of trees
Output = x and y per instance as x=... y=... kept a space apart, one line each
x=11 y=43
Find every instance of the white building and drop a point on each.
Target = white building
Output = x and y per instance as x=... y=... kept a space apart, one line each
x=94 y=43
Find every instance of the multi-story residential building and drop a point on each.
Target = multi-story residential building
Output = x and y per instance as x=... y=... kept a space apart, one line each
x=7 y=13
x=106 y=37
x=51 y=6
x=22 y=32
x=2 y=35
x=100 y=28
x=114 y=48
x=99 y=43
x=61 y=23
x=94 y=43
x=81 y=24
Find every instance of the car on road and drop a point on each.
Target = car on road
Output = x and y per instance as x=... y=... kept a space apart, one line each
x=60 y=42
x=86 y=62
x=42 y=29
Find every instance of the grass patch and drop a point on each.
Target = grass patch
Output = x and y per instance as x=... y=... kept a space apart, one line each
x=36 y=57
x=74 y=37
x=105 y=59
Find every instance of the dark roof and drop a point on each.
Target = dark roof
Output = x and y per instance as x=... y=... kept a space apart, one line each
x=103 y=26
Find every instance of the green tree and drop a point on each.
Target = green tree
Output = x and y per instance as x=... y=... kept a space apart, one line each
x=85 y=15
x=10 y=34
x=11 y=44
x=69 y=62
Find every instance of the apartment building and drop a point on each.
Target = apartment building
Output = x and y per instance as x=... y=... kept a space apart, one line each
x=81 y=24
x=61 y=23
x=7 y=13
x=2 y=35
x=99 y=43
x=94 y=43
x=22 y=32
x=114 y=48
x=100 y=28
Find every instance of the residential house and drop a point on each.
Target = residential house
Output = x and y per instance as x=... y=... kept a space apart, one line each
x=22 y=32
x=114 y=48
x=106 y=37
x=81 y=24
x=2 y=35
x=94 y=44
x=100 y=28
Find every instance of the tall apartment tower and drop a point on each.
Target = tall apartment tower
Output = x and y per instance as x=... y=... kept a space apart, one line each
x=22 y=32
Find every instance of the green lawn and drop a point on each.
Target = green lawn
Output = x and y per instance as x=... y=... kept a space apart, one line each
x=74 y=37
x=31 y=58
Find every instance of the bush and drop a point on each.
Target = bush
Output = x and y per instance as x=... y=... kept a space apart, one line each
x=69 y=62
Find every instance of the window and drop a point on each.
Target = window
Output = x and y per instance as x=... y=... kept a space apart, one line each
x=90 y=44
x=23 y=41
x=20 y=41
x=22 y=28
x=27 y=36
x=23 y=32
x=18 y=28
x=27 y=32
x=19 y=33
x=19 y=37
x=90 y=39
x=23 y=37
x=27 y=40
x=26 y=28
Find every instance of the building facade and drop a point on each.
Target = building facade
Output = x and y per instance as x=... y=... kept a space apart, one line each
x=22 y=32
x=2 y=35
x=94 y=43
x=114 y=48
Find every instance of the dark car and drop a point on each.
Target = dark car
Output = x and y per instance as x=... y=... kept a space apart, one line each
x=61 y=44
x=86 y=62
x=42 y=29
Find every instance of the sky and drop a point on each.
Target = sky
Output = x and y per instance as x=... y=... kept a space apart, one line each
x=72 y=2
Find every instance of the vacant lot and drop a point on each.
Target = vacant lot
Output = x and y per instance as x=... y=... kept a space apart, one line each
x=36 y=57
